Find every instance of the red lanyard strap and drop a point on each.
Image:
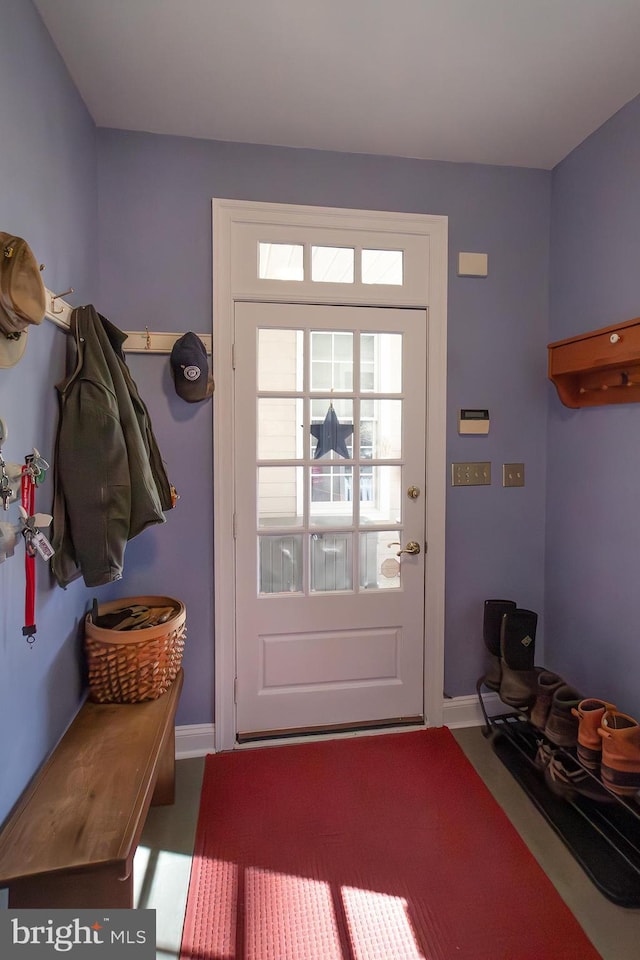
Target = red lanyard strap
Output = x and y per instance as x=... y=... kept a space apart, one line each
x=28 y=491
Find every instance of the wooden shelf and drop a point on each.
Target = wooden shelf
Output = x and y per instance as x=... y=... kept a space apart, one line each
x=599 y=367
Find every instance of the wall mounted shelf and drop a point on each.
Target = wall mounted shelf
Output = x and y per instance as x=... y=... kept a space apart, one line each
x=600 y=367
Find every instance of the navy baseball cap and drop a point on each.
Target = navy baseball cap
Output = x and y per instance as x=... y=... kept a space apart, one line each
x=190 y=369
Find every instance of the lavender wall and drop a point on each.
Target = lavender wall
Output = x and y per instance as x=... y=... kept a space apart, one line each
x=593 y=520
x=48 y=196
x=155 y=265
x=139 y=206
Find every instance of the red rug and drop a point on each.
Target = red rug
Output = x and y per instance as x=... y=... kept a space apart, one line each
x=368 y=848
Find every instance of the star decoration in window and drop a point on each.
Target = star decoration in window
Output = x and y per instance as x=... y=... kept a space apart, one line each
x=331 y=435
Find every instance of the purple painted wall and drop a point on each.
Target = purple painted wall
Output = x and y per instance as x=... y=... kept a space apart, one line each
x=48 y=196
x=125 y=219
x=593 y=520
x=155 y=267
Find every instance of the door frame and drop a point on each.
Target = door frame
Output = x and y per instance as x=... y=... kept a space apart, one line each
x=231 y=283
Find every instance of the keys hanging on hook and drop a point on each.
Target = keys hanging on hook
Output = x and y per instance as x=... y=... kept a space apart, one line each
x=6 y=493
x=37 y=467
x=35 y=540
x=9 y=477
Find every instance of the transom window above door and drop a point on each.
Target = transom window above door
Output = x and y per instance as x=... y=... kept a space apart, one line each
x=329 y=264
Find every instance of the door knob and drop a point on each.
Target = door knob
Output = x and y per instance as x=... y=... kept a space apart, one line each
x=412 y=547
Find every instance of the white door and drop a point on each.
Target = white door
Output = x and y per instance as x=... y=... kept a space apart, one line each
x=329 y=487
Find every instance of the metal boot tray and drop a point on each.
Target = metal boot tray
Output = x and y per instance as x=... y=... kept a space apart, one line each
x=604 y=838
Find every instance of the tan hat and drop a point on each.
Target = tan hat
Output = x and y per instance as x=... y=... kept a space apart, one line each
x=11 y=348
x=22 y=297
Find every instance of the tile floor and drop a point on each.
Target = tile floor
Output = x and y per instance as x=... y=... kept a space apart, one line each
x=163 y=859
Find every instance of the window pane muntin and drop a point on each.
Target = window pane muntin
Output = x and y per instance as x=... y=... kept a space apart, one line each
x=381 y=434
x=280 y=261
x=331 y=562
x=383 y=267
x=332 y=264
x=331 y=360
x=279 y=428
x=331 y=496
x=280 y=497
x=343 y=410
x=280 y=564
x=379 y=566
x=380 y=495
x=381 y=362
x=280 y=365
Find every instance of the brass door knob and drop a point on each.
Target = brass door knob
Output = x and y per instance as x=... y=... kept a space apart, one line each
x=412 y=547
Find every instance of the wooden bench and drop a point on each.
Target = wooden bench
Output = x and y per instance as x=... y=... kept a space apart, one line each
x=72 y=836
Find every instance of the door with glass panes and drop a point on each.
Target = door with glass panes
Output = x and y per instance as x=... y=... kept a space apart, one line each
x=329 y=516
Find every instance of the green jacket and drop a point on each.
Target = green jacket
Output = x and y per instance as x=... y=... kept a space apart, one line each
x=109 y=479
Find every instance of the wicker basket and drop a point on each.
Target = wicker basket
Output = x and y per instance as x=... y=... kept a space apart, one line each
x=127 y=666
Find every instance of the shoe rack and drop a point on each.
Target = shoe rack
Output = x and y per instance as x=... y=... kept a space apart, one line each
x=604 y=837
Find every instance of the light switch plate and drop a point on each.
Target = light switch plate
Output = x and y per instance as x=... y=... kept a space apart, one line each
x=470 y=474
x=513 y=474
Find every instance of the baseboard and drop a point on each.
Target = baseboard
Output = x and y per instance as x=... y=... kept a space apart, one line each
x=466 y=711
x=198 y=739
x=194 y=740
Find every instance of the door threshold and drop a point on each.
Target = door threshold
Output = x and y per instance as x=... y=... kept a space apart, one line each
x=330 y=730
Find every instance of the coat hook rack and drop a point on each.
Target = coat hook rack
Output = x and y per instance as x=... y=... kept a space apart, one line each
x=138 y=341
x=58 y=296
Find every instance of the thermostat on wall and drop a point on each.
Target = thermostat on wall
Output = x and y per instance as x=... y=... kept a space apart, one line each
x=474 y=422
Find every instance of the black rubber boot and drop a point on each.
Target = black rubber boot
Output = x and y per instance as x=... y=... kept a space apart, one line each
x=519 y=681
x=494 y=610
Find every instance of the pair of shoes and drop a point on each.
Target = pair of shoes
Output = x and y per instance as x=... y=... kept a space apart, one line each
x=509 y=634
x=620 y=766
x=589 y=714
x=561 y=725
x=548 y=683
x=567 y=778
x=554 y=710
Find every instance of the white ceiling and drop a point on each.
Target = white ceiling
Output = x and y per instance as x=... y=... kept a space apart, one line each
x=517 y=82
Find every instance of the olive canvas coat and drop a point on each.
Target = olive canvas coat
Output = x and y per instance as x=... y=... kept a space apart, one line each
x=109 y=479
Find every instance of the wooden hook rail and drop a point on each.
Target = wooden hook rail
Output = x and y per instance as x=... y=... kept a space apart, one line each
x=58 y=311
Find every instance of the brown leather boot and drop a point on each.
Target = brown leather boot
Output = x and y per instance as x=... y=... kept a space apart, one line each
x=620 y=753
x=590 y=713
x=561 y=726
x=548 y=683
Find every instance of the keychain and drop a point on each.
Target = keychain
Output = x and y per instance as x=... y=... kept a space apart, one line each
x=35 y=541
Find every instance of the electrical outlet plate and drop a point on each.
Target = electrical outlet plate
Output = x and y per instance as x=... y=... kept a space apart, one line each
x=513 y=474
x=470 y=474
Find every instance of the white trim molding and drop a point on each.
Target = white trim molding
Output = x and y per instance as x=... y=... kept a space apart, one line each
x=466 y=711
x=195 y=740
x=198 y=739
x=236 y=225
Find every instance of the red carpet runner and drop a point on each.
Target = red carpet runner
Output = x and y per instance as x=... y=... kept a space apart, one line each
x=369 y=848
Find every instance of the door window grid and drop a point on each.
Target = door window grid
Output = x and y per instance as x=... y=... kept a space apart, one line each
x=311 y=561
